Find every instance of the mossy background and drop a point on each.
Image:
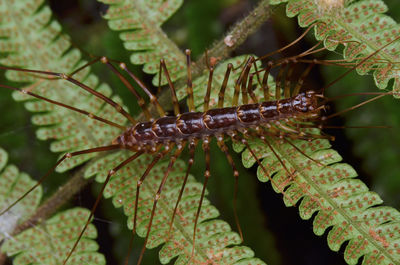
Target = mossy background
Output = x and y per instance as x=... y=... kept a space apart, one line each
x=273 y=231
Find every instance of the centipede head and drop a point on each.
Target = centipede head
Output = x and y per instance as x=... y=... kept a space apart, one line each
x=306 y=102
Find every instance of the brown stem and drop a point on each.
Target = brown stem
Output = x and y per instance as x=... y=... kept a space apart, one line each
x=237 y=35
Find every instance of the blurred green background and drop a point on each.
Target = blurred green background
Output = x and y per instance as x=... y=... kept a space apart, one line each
x=275 y=232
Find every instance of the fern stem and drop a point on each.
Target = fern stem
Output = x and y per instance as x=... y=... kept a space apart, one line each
x=59 y=198
x=237 y=35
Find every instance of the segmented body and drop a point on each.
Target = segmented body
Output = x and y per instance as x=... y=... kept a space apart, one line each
x=197 y=125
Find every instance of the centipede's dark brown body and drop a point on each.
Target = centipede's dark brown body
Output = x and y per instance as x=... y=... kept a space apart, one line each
x=191 y=125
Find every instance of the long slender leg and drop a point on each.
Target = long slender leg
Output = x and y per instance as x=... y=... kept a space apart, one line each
x=192 y=148
x=207 y=174
x=171 y=86
x=140 y=100
x=178 y=151
x=279 y=80
x=66 y=156
x=245 y=99
x=250 y=89
x=109 y=175
x=288 y=79
x=206 y=105
x=138 y=185
x=264 y=85
x=81 y=85
x=90 y=115
x=246 y=68
x=189 y=87
x=143 y=177
x=224 y=149
x=221 y=93
x=153 y=98
x=302 y=78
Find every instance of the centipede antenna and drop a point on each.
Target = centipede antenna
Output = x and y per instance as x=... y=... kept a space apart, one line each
x=324 y=118
x=207 y=174
x=158 y=196
x=360 y=63
x=90 y=115
x=290 y=44
x=153 y=99
x=355 y=94
x=279 y=80
x=109 y=175
x=206 y=105
x=265 y=86
x=189 y=87
x=192 y=148
x=250 y=89
x=224 y=149
x=302 y=78
x=221 y=93
x=140 y=100
x=171 y=86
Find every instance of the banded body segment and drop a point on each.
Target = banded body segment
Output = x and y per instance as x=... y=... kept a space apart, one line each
x=198 y=125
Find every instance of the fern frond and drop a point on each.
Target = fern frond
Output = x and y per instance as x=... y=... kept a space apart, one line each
x=49 y=242
x=341 y=201
x=32 y=39
x=141 y=23
x=361 y=26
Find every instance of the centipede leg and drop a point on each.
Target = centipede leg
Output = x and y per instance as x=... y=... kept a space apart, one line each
x=207 y=174
x=189 y=87
x=279 y=80
x=140 y=100
x=90 y=115
x=81 y=85
x=264 y=85
x=246 y=68
x=250 y=89
x=224 y=149
x=175 y=102
x=206 y=105
x=152 y=97
x=192 y=148
x=302 y=78
x=109 y=175
x=221 y=94
x=64 y=157
x=158 y=196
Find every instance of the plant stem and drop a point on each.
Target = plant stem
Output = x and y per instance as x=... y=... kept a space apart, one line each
x=222 y=48
x=235 y=36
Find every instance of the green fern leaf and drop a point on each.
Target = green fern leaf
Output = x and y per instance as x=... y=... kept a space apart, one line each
x=141 y=23
x=360 y=26
x=49 y=242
